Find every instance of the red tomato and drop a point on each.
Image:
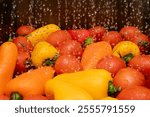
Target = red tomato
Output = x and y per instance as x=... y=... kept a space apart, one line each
x=35 y=97
x=127 y=77
x=134 y=93
x=67 y=64
x=143 y=42
x=141 y=63
x=113 y=37
x=4 y=97
x=25 y=30
x=71 y=47
x=148 y=82
x=21 y=65
x=97 y=32
x=56 y=38
x=128 y=32
x=111 y=63
x=79 y=34
x=23 y=44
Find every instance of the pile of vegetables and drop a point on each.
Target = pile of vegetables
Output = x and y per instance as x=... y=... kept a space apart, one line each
x=76 y=64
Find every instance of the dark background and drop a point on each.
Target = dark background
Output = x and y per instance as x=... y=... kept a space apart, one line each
x=112 y=14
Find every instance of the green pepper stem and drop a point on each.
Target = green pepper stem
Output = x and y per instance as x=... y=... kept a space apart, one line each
x=127 y=57
x=10 y=39
x=51 y=62
x=16 y=96
x=112 y=90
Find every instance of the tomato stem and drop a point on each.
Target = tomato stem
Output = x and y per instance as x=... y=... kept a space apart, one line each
x=88 y=41
x=112 y=90
x=16 y=96
x=143 y=43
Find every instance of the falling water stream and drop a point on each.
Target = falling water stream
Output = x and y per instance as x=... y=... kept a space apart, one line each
x=112 y=14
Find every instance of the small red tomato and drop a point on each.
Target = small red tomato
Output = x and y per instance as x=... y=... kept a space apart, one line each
x=111 y=63
x=35 y=97
x=67 y=64
x=112 y=37
x=128 y=32
x=23 y=44
x=127 y=77
x=143 y=42
x=79 y=34
x=141 y=63
x=22 y=61
x=25 y=30
x=97 y=32
x=134 y=93
x=56 y=38
x=71 y=47
x=4 y=97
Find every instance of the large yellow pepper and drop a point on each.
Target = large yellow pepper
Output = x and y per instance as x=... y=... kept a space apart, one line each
x=94 y=81
x=126 y=48
x=60 y=90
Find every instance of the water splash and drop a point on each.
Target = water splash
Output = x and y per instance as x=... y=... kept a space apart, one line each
x=111 y=14
x=31 y=6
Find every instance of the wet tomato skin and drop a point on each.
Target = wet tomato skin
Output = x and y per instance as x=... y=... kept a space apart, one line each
x=111 y=63
x=141 y=63
x=71 y=47
x=128 y=32
x=134 y=93
x=127 y=77
x=112 y=37
x=56 y=38
x=143 y=42
x=67 y=64
x=23 y=57
x=23 y=44
x=25 y=30
x=97 y=32
x=79 y=34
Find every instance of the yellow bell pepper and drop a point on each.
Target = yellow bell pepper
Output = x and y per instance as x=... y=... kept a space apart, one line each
x=94 y=81
x=41 y=52
x=60 y=90
x=126 y=48
x=42 y=33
